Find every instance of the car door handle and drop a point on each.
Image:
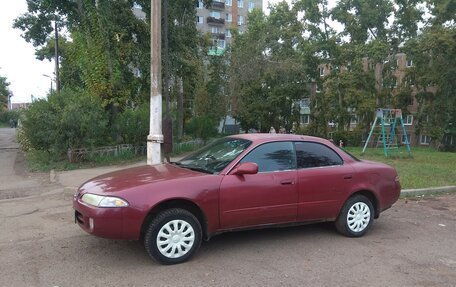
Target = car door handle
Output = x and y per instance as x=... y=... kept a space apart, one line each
x=348 y=177
x=287 y=181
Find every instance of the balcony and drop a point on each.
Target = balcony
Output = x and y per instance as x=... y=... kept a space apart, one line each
x=220 y=36
x=215 y=21
x=218 y=5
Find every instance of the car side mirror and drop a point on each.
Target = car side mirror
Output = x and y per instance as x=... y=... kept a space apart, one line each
x=246 y=168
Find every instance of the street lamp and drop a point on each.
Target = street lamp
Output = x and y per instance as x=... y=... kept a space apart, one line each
x=47 y=76
x=10 y=104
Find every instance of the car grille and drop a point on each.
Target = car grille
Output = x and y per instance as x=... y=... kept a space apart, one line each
x=78 y=217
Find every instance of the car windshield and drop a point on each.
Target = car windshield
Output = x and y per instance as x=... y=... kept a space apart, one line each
x=215 y=157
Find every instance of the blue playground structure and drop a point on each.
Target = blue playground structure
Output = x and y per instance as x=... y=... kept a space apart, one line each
x=388 y=120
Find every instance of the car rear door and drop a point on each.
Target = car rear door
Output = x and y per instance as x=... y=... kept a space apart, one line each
x=270 y=196
x=324 y=180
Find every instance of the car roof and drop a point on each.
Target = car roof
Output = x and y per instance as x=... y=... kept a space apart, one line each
x=265 y=137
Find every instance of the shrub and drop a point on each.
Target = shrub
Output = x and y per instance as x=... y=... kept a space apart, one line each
x=350 y=138
x=71 y=119
x=133 y=125
x=6 y=116
x=202 y=127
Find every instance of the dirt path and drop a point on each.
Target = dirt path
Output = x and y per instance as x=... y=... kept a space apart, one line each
x=15 y=181
x=412 y=244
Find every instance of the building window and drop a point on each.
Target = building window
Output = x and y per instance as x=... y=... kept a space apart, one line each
x=215 y=30
x=251 y=6
x=448 y=140
x=408 y=120
x=317 y=88
x=405 y=138
x=229 y=17
x=240 y=3
x=219 y=43
x=199 y=20
x=228 y=33
x=228 y=3
x=425 y=140
x=241 y=20
x=215 y=14
x=199 y=5
x=321 y=71
x=409 y=63
x=305 y=119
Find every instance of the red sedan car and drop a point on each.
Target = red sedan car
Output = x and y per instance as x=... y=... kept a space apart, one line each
x=238 y=182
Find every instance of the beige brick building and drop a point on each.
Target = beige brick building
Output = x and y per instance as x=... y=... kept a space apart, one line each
x=399 y=80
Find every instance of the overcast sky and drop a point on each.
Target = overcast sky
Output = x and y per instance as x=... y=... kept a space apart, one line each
x=17 y=57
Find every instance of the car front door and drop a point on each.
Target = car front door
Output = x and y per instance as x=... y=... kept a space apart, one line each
x=269 y=196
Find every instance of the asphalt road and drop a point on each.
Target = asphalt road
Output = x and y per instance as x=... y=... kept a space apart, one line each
x=411 y=244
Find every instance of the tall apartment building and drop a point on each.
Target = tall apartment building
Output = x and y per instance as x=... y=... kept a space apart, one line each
x=222 y=17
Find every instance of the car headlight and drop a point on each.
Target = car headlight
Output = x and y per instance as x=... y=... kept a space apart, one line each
x=103 y=201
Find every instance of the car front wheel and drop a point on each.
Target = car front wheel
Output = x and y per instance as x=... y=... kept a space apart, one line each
x=356 y=216
x=173 y=236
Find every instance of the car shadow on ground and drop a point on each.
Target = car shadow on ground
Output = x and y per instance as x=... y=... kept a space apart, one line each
x=132 y=253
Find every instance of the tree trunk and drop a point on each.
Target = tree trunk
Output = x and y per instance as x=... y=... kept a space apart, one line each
x=180 y=109
x=166 y=56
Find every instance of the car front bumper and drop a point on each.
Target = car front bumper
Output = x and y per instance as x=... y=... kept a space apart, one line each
x=102 y=222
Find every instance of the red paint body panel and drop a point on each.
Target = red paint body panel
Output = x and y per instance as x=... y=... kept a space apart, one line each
x=229 y=201
x=255 y=199
x=323 y=190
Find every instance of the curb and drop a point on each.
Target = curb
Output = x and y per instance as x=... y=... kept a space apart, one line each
x=428 y=191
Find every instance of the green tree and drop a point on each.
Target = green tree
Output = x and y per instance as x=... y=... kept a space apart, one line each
x=434 y=75
x=267 y=73
x=4 y=93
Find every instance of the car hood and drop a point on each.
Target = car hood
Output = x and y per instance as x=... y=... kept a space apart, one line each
x=135 y=177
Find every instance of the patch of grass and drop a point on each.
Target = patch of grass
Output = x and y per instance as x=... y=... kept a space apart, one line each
x=425 y=168
x=4 y=125
x=43 y=162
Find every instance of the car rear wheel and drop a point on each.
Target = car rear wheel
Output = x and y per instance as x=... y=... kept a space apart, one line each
x=173 y=236
x=356 y=216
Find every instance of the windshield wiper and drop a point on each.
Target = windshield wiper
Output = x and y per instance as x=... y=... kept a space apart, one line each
x=195 y=168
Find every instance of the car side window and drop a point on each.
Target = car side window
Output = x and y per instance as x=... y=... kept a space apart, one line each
x=310 y=154
x=275 y=156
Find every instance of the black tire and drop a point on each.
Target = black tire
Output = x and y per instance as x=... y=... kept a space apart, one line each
x=349 y=223
x=165 y=221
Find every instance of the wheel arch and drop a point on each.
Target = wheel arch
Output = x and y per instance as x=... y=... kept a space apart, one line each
x=371 y=196
x=185 y=204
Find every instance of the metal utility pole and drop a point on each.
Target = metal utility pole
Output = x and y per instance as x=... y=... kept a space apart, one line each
x=155 y=137
x=56 y=51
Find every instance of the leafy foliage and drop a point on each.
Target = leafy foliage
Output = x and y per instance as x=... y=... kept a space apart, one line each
x=4 y=93
x=133 y=125
x=202 y=127
x=267 y=74
x=71 y=119
x=434 y=74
